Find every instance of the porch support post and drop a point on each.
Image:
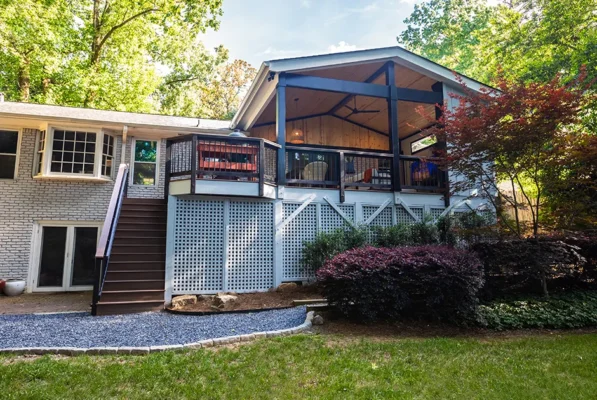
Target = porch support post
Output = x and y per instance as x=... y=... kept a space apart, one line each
x=438 y=87
x=393 y=126
x=281 y=127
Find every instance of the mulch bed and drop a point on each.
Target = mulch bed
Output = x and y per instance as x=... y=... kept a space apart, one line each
x=255 y=301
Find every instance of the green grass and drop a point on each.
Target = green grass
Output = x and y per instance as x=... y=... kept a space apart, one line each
x=562 y=366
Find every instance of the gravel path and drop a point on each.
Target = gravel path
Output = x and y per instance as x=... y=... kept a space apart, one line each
x=136 y=330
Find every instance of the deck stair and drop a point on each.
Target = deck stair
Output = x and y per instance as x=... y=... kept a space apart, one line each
x=135 y=277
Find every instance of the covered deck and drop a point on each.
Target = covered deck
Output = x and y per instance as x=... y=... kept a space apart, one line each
x=350 y=127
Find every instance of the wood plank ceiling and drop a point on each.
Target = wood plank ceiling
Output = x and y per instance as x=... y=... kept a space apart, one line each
x=411 y=116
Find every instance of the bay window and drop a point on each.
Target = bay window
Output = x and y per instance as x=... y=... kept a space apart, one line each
x=81 y=153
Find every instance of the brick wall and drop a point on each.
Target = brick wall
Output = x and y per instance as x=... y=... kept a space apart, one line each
x=25 y=200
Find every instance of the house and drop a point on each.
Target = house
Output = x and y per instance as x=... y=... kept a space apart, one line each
x=142 y=207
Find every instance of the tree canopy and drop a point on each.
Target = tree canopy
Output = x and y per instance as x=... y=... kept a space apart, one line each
x=533 y=40
x=113 y=54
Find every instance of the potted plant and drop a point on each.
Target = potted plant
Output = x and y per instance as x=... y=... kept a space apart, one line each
x=14 y=287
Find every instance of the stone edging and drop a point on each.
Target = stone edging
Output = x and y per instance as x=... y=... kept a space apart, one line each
x=73 y=351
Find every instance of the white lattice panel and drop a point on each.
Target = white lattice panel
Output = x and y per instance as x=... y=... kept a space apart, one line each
x=403 y=217
x=250 y=246
x=418 y=211
x=435 y=213
x=301 y=229
x=331 y=220
x=198 y=246
x=384 y=218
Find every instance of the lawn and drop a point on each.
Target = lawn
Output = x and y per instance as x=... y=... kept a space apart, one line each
x=557 y=366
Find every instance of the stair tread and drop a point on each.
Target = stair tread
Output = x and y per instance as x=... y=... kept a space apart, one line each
x=142 y=223
x=134 y=280
x=134 y=291
x=135 y=253
x=131 y=302
x=135 y=262
x=128 y=271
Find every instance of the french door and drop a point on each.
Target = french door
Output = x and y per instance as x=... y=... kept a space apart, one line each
x=65 y=257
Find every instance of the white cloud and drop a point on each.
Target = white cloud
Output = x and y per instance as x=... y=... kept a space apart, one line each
x=305 y=3
x=342 y=46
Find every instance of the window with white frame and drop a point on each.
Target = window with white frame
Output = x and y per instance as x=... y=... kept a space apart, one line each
x=145 y=158
x=9 y=143
x=74 y=152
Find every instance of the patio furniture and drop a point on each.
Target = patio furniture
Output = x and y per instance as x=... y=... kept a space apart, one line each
x=315 y=171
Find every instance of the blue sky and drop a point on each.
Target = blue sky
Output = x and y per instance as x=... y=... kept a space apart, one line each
x=259 y=30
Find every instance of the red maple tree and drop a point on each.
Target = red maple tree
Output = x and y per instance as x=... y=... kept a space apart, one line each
x=512 y=135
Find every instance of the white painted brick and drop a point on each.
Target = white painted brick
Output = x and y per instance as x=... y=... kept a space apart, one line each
x=25 y=200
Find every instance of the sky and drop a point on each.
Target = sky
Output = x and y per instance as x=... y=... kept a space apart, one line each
x=260 y=30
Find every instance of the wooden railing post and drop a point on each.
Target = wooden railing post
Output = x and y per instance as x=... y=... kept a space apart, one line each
x=342 y=177
x=261 y=167
x=194 y=151
x=168 y=167
x=281 y=127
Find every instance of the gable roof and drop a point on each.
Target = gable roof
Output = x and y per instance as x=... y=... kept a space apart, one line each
x=263 y=86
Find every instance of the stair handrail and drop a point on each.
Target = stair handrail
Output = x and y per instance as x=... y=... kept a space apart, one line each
x=104 y=247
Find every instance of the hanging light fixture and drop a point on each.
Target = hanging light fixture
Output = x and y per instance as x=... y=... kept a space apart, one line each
x=297 y=136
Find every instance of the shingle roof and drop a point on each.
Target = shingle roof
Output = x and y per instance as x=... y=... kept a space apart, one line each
x=116 y=117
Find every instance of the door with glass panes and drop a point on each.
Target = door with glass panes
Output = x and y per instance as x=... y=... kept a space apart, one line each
x=65 y=257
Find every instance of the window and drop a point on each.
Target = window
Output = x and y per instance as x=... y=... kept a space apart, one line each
x=107 y=155
x=145 y=157
x=73 y=152
x=422 y=144
x=9 y=143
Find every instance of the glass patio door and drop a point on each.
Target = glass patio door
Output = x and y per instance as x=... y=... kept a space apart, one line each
x=66 y=258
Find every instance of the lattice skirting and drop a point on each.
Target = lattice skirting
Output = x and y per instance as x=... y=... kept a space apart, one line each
x=229 y=245
x=223 y=245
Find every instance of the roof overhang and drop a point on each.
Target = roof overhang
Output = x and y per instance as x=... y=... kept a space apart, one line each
x=263 y=88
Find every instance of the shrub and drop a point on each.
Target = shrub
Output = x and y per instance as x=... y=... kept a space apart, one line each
x=328 y=244
x=392 y=236
x=527 y=266
x=564 y=310
x=433 y=282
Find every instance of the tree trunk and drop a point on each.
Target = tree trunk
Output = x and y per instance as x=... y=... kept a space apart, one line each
x=25 y=79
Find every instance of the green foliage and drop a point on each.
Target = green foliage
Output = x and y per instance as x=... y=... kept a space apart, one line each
x=328 y=244
x=566 y=310
x=460 y=229
x=127 y=55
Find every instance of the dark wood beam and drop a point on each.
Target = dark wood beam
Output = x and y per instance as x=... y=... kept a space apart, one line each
x=345 y=100
x=416 y=96
x=291 y=119
x=360 y=125
x=438 y=87
x=393 y=127
x=281 y=127
x=336 y=85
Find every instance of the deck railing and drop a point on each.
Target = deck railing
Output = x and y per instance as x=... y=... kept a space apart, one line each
x=104 y=247
x=338 y=168
x=422 y=174
x=209 y=157
x=201 y=157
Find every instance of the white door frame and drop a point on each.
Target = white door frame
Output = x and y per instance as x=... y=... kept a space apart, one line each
x=68 y=256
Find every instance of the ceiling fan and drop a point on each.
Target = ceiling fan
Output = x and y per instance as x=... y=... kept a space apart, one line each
x=354 y=110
